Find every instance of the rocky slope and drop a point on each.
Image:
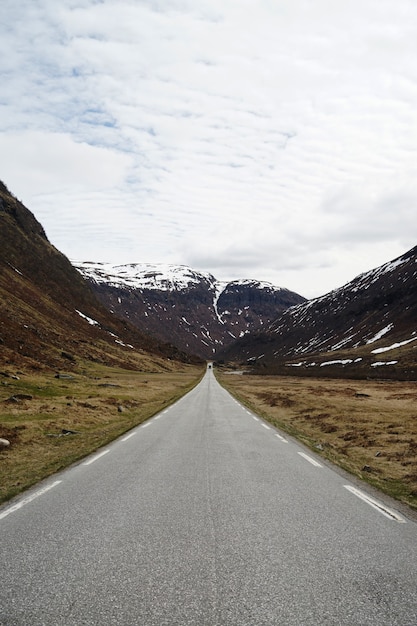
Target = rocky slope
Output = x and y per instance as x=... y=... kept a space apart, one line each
x=366 y=327
x=48 y=314
x=193 y=310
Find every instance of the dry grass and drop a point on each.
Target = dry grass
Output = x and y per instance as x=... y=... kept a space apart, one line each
x=97 y=404
x=366 y=427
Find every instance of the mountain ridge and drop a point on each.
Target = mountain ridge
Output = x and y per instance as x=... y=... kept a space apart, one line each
x=48 y=314
x=195 y=310
x=355 y=322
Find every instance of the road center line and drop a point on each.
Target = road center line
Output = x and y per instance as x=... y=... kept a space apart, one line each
x=96 y=457
x=129 y=436
x=379 y=506
x=310 y=459
x=28 y=499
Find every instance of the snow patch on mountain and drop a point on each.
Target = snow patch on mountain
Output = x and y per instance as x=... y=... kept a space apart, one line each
x=381 y=333
x=161 y=277
x=191 y=308
x=393 y=346
x=87 y=319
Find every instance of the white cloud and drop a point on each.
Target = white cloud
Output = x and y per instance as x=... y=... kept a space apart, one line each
x=274 y=140
x=53 y=162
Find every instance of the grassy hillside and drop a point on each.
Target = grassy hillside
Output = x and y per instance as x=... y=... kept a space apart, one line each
x=48 y=314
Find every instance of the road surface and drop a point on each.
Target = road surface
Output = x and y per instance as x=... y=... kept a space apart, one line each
x=207 y=516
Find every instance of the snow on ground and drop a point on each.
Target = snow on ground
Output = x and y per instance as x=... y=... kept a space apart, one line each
x=378 y=363
x=393 y=346
x=381 y=333
x=337 y=362
x=88 y=319
x=219 y=286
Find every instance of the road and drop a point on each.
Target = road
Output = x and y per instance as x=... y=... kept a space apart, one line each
x=207 y=516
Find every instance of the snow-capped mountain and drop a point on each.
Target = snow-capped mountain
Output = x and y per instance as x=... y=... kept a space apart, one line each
x=190 y=309
x=371 y=322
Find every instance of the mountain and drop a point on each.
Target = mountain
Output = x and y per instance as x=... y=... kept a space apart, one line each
x=48 y=314
x=367 y=327
x=192 y=310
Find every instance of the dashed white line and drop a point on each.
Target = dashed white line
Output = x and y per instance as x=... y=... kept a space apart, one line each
x=281 y=438
x=392 y=515
x=156 y=418
x=98 y=456
x=28 y=499
x=255 y=418
x=265 y=426
x=310 y=459
x=129 y=436
x=146 y=425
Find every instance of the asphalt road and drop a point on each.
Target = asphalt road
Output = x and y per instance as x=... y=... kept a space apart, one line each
x=205 y=516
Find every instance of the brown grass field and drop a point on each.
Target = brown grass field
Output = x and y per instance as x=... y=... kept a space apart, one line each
x=368 y=428
x=96 y=405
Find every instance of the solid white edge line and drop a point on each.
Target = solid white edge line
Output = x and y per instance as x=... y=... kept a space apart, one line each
x=265 y=426
x=96 y=457
x=129 y=436
x=282 y=438
x=28 y=499
x=392 y=515
x=310 y=460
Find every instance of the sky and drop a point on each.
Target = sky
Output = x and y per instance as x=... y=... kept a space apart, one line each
x=265 y=139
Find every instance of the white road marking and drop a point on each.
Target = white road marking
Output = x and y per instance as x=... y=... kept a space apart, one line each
x=128 y=436
x=28 y=499
x=146 y=425
x=379 y=506
x=255 y=418
x=265 y=426
x=96 y=457
x=156 y=418
x=282 y=438
x=310 y=459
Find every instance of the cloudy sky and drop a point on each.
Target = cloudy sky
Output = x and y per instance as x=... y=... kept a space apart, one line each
x=268 y=139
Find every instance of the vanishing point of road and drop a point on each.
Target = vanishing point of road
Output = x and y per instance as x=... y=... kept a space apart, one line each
x=206 y=516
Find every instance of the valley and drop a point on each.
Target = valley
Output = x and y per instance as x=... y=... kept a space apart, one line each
x=91 y=350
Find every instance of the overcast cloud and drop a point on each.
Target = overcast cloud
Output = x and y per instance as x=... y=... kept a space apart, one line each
x=268 y=139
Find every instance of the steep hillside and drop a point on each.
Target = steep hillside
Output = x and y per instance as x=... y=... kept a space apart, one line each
x=367 y=327
x=193 y=310
x=48 y=314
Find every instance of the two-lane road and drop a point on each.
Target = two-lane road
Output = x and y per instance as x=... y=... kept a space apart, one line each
x=204 y=515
